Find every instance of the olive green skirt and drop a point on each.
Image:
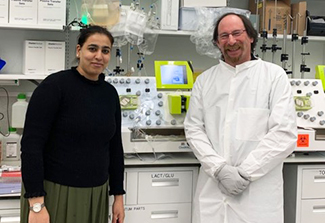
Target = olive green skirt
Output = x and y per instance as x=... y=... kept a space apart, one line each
x=71 y=204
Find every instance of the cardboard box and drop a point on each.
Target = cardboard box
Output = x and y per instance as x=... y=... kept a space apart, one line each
x=203 y=3
x=51 y=12
x=23 y=12
x=4 y=11
x=270 y=20
x=298 y=11
x=54 y=56
x=34 y=57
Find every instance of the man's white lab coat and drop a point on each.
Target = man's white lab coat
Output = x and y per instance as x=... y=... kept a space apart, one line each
x=243 y=116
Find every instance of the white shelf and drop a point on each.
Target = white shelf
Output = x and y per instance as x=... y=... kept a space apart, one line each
x=175 y=32
x=21 y=77
x=307 y=157
x=31 y=26
x=163 y=159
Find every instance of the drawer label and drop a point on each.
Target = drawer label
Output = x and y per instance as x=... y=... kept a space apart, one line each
x=162 y=175
x=136 y=208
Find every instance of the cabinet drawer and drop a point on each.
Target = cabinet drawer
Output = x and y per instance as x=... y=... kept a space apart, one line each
x=165 y=187
x=10 y=215
x=171 y=213
x=313 y=211
x=313 y=183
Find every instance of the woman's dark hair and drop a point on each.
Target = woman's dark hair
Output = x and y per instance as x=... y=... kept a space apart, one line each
x=87 y=32
x=251 y=32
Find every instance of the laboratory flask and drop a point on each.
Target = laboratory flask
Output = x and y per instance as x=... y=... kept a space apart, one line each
x=19 y=109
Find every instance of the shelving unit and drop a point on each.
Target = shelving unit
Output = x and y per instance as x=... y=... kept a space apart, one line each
x=34 y=27
x=21 y=77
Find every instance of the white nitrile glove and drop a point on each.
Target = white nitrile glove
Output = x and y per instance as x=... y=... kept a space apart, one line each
x=230 y=181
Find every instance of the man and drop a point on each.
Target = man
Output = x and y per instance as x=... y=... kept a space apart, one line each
x=241 y=125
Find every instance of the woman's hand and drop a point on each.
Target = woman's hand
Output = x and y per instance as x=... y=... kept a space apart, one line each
x=40 y=217
x=118 y=209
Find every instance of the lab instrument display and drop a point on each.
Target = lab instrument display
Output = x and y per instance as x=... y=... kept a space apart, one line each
x=174 y=74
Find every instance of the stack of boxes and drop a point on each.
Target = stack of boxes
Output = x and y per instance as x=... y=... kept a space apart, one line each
x=43 y=57
x=32 y=12
x=39 y=57
x=283 y=10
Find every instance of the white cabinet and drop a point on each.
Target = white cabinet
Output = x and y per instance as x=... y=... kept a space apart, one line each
x=159 y=194
x=9 y=209
x=304 y=190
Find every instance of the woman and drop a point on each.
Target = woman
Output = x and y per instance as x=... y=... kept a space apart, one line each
x=71 y=144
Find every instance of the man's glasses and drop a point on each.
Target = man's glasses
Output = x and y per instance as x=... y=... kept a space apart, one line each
x=235 y=34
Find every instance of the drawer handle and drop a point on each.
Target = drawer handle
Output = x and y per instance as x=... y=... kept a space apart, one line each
x=165 y=182
x=13 y=219
x=164 y=214
x=319 y=209
x=319 y=179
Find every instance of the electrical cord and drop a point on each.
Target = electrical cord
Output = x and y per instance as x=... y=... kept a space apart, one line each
x=2 y=115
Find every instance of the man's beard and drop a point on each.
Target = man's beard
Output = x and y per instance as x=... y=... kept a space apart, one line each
x=233 y=59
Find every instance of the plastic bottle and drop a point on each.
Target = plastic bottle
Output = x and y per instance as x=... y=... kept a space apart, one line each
x=11 y=146
x=19 y=109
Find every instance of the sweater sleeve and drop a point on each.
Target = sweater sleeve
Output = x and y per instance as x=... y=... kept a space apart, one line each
x=116 y=166
x=41 y=113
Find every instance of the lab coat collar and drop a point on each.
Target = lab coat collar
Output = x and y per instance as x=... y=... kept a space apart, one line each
x=241 y=67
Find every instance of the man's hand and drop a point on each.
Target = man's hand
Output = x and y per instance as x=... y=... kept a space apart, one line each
x=230 y=181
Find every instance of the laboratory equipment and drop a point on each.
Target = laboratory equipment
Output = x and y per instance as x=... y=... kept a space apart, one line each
x=264 y=47
x=320 y=74
x=303 y=66
x=284 y=55
x=100 y=12
x=274 y=46
x=174 y=74
x=147 y=126
x=294 y=38
x=154 y=108
x=11 y=147
x=310 y=107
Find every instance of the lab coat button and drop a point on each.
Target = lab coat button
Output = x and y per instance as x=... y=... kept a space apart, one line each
x=300 y=114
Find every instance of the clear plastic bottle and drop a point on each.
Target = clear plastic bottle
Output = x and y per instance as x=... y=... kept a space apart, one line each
x=11 y=146
x=19 y=109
